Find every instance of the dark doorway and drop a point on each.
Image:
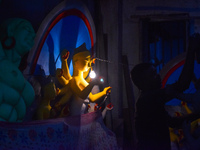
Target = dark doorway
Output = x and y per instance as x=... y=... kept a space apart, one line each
x=163 y=40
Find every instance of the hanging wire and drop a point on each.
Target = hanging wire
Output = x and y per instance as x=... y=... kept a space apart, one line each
x=107 y=61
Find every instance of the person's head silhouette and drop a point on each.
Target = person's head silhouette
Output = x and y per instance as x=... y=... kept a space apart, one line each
x=145 y=77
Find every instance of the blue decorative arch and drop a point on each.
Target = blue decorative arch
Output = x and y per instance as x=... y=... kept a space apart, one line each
x=70 y=26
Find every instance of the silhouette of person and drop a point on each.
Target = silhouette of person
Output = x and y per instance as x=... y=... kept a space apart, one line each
x=152 y=121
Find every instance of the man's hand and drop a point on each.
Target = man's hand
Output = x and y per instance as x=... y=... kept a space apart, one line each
x=194 y=43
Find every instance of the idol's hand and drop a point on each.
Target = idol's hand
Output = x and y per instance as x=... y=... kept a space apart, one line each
x=65 y=54
x=107 y=90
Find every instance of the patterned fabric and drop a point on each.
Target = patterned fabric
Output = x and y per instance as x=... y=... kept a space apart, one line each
x=71 y=133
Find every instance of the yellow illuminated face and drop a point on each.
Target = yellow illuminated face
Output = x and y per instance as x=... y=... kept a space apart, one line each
x=82 y=61
x=84 y=64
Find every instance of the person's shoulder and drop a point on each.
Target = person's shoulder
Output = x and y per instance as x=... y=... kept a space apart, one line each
x=152 y=92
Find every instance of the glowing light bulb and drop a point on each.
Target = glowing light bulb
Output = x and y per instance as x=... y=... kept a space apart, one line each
x=92 y=74
x=101 y=79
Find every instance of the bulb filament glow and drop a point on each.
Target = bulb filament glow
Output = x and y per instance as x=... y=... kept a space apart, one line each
x=92 y=74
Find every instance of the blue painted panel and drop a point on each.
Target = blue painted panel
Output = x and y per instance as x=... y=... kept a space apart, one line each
x=69 y=33
x=174 y=77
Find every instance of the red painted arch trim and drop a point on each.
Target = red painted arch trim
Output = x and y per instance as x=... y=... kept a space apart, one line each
x=63 y=14
x=164 y=81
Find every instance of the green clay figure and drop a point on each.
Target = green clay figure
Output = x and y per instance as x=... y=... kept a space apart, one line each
x=16 y=93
